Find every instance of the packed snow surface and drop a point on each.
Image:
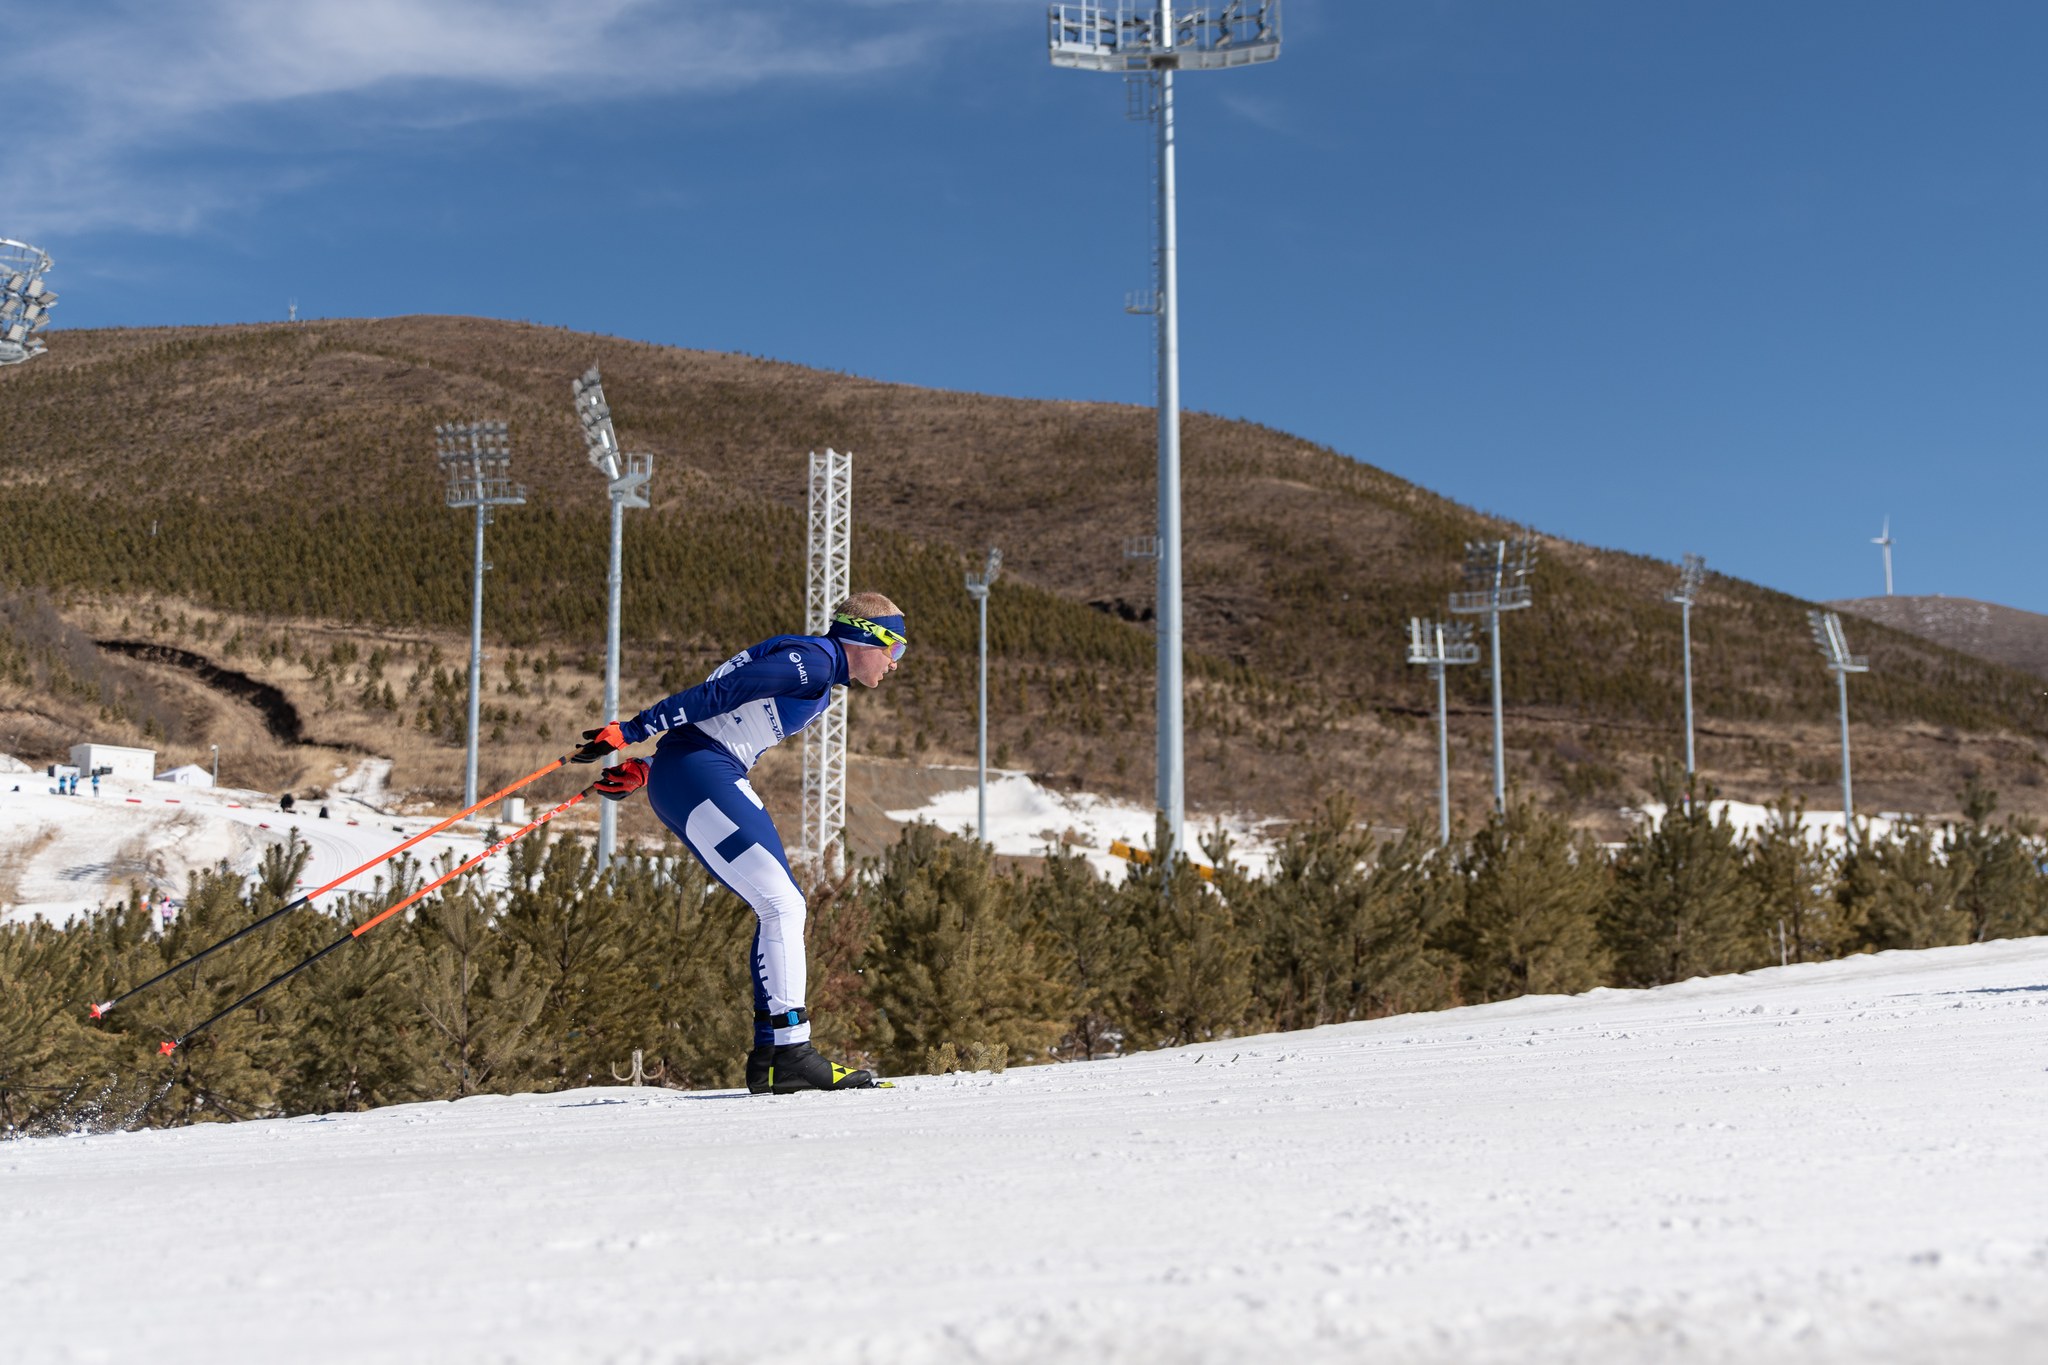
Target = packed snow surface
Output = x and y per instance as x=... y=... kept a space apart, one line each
x=1024 y=817
x=1827 y=1162
x=1823 y=828
x=62 y=856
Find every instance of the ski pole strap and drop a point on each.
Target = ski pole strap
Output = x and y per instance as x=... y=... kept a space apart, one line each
x=783 y=1018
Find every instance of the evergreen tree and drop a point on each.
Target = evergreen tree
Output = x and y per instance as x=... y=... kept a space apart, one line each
x=354 y=1043
x=1999 y=886
x=1681 y=906
x=953 y=962
x=1090 y=945
x=1343 y=925
x=233 y=1069
x=1900 y=894
x=1792 y=877
x=1528 y=925
x=1194 y=981
x=473 y=991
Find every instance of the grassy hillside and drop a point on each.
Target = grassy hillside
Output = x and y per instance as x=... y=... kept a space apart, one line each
x=238 y=491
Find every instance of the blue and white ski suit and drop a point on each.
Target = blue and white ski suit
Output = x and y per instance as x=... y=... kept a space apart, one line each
x=711 y=737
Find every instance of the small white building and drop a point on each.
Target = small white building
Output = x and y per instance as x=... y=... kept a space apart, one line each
x=130 y=765
x=191 y=775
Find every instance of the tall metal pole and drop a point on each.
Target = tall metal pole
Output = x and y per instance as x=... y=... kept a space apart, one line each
x=476 y=656
x=1443 y=758
x=1172 y=793
x=1848 y=801
x=1685 y=627
x=981 y=738
x=608 y=811
x=977 y=588
x=1834 y=647
x=626 y=477
x=1500 y=759
x=476 y=459
x=1439 y=646
x=1098 y=35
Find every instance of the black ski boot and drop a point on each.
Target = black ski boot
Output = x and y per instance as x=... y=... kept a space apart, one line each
x=798 y=1066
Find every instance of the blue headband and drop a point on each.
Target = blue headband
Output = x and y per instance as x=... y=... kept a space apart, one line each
x=841 y=631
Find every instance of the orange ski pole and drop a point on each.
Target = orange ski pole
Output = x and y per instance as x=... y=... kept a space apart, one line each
x=99 y=1010
x=352 y=935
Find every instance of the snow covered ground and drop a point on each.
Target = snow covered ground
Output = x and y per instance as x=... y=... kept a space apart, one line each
x=65 y=855
x=1839 y=1162
x=1822 y=827
x=1023 y=817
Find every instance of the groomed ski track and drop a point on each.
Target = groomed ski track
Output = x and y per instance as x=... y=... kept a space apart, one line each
x=1834 y=1162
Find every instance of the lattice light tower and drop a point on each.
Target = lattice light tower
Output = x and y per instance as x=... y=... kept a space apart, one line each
x=977 y=588
x=1496 y=580
x=827 y=582
x=25 y=302
x=476 y=459
x=1834 y=648
x=1441 y=645
x=1691 y=574
x=626 y=479
x=1148 y=41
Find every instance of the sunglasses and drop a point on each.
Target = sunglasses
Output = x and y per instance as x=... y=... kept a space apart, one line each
x=882 y=635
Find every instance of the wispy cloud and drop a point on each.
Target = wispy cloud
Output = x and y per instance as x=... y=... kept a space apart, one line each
x=142 y=105
x=1269 y=114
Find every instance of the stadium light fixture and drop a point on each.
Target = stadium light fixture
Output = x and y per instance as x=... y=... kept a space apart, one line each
x=626 y=479
x=1834 y=649
x=1441 y=645
x=1148 y=41
x=1691 y=574
x=25 y=301
x=977 y=588
x=476 y=460
x=1496 y=580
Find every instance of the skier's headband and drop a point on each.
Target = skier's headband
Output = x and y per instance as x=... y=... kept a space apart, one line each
x=884 y=632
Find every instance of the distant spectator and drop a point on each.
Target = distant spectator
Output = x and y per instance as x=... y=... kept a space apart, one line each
x=323 y=812
x=95 y=784
x=285 y=802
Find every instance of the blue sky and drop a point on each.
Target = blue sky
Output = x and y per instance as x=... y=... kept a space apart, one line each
x=1737 y=278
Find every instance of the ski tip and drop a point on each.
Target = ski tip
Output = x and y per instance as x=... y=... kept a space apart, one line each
x=99 y=1011
x=168 y=1048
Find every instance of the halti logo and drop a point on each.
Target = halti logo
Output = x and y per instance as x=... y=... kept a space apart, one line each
x=802 y=674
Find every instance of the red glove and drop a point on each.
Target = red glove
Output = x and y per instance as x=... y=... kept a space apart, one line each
x=599 y=742
x=621 y=782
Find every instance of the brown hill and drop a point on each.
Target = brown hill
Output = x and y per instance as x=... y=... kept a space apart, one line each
x=2005 y=635
x=264 y=498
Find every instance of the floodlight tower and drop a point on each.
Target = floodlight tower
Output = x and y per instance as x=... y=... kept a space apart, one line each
x=826 y=584
x=476 y=459
x=977 y=588
x=25 y=302
x=1690 y=575
x=1883 y=539
x=1147 y=41
x=1440 y=645
x=1834 y=647
x=626 y=479
x=1496 y=580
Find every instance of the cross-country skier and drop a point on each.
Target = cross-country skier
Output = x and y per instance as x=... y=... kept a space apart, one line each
x=711 y=736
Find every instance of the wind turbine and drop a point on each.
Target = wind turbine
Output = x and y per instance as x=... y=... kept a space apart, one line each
x=1884 y=540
